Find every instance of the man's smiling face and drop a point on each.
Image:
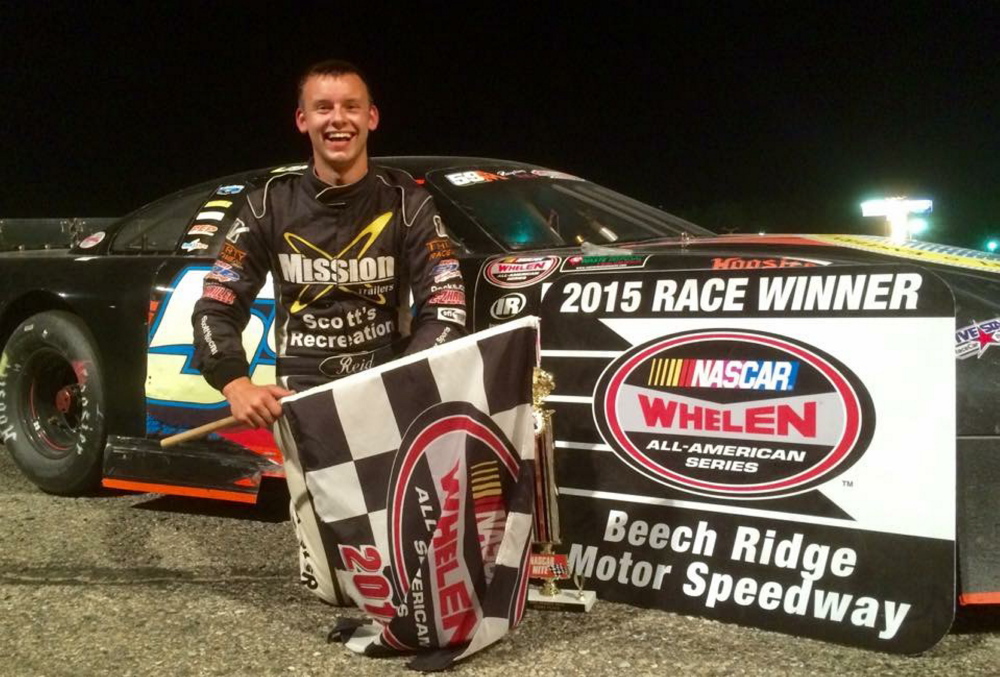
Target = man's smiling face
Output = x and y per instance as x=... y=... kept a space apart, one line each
x=337 y=114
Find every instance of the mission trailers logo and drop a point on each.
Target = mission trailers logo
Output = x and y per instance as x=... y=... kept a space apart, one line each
x=454 y=466
x=733 y=413
x=512 y=272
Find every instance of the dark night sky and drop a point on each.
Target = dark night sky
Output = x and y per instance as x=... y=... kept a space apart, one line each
x=768 y=115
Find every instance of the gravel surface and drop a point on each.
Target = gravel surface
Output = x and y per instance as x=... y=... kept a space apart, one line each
x=125 y=584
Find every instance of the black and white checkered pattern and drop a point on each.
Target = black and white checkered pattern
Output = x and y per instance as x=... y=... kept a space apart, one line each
x=357 y=455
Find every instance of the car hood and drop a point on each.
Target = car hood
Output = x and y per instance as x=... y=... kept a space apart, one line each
x=779 y=251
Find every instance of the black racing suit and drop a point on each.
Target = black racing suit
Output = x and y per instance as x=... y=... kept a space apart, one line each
x=344 y=261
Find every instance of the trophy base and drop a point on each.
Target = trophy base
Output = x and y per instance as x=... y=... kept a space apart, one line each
x=565 y=600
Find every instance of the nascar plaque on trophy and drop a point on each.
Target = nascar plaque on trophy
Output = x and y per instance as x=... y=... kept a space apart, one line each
x=546 y=564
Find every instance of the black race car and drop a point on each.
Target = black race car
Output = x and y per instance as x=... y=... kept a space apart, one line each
x=743 y=374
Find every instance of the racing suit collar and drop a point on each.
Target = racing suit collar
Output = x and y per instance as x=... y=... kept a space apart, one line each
x=334 y=196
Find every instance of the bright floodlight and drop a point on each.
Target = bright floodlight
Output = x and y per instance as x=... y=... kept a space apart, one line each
x=992 y=245
x=917 y=226
x=897 y=212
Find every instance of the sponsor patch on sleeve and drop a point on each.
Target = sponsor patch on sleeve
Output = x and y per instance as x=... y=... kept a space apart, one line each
x=237 y=229
x=220 y=294
x=440 y=248
x=232 y=255
x=448 y=297
x=223 y=272
x=447 y=269
x=456 y=315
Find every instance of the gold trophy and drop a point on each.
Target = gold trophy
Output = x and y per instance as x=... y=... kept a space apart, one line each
x=546 y=564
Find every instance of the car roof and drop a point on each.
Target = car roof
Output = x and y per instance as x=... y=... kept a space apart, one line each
x=420 y=165
x=417 y=166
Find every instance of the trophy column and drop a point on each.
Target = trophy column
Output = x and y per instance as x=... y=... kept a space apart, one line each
x=546 y=564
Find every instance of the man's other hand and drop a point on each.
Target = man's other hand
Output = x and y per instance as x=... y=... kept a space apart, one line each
x=252 y=405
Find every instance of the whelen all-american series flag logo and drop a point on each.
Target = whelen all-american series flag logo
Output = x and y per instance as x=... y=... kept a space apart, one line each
x=412 y=492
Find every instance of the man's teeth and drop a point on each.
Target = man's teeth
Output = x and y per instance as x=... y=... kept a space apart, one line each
x=339 y=136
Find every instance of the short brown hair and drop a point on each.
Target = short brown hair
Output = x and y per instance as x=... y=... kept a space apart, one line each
x=333 y=68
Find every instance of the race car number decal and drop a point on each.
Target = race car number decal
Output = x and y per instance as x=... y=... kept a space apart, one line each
x=170 y=379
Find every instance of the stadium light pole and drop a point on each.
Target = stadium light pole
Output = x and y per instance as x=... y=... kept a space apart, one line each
x=896 y=211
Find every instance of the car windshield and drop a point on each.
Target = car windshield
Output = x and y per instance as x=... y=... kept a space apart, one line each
x=531 y=208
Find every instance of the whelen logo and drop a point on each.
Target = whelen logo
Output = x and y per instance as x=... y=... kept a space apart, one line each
x=776 y=417
x=512 y=272
x=454 y=464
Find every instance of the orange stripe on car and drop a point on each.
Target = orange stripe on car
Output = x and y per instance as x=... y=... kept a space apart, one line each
x=151 y=488
x=979 y=598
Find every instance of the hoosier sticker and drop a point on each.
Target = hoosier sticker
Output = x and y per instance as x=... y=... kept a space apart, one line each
x=512 y=272
x=733 y=413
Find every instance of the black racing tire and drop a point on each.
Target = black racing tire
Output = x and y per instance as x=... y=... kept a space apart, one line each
x=52 y=403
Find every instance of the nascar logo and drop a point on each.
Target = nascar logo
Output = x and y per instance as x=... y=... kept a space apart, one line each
x=730 y=374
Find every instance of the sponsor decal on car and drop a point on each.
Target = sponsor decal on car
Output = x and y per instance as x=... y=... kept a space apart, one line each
x=733 y=413
x=471 y=178
x=477 y=176
x=928 y=252
x=741 y=263
x=194 y=245
x=92 y=240
x=512 y=272
x=202 y=229
x=230 y=190
x=210 y=216
x=508 y=306
x=552 y=174
x=218 y=204
x=977 y=338
x=613 y=262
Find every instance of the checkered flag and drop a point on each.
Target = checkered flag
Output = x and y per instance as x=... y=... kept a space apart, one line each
x=412 y=494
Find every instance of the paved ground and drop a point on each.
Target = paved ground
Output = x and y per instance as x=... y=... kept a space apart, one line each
x=123 y=584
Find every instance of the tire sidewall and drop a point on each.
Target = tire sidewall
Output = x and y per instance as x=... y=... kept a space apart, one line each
x=79 y=470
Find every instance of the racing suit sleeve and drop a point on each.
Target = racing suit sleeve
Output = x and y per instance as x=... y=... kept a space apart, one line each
x=434 y=277
x=228 y=292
